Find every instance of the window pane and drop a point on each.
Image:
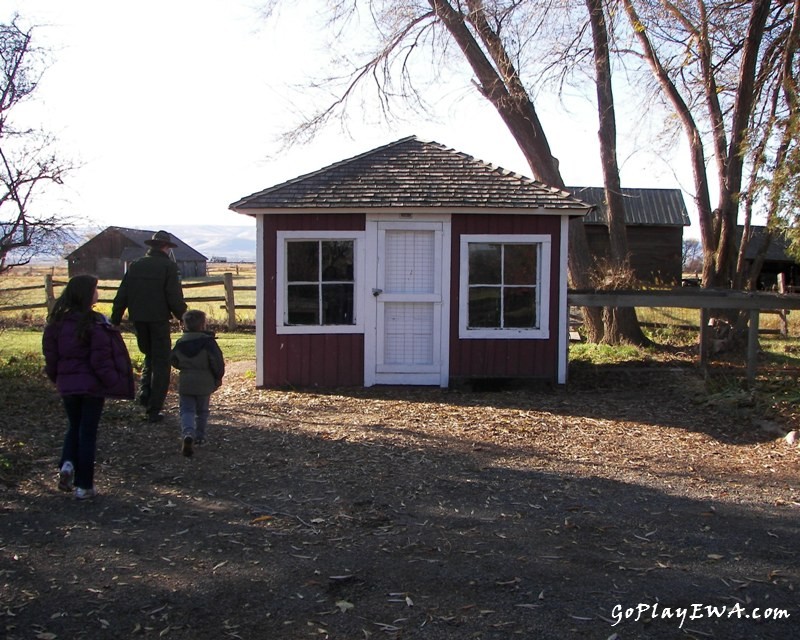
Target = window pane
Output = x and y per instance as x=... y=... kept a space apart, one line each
x=302 y=261
x=519 y=307
x=484 y=307
x=484 y=263
x=337 y=260
x=519 y=264
x=337 y=304
x=303 y=304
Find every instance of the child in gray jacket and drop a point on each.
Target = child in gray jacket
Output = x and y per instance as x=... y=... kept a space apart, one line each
x=199 y=360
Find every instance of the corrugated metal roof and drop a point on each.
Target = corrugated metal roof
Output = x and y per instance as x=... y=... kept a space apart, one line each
x=410 y=173
x=777 y=251
x=658 y=207
x=183 y=252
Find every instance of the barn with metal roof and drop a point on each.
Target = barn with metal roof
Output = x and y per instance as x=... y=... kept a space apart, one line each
x=108 y=254
x=654 y=221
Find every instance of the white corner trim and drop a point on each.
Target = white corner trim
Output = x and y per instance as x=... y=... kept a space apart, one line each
x=563 y=310
x=260 y=277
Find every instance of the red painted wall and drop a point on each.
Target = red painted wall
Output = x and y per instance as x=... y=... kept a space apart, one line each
x=337 y=360
x=307 y=360
x=504 y=358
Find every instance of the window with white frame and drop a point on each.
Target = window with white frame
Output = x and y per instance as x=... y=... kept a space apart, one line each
x=317 y=282
x=504 y=286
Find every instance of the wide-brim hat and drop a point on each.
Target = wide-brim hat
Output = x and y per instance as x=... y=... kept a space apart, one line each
x=160 y=238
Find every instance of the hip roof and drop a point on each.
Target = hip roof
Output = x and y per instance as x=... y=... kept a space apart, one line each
x=411 y=173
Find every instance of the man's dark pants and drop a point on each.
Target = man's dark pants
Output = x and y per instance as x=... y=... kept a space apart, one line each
x=154 y=341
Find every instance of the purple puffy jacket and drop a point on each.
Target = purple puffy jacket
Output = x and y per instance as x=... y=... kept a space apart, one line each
x=100 y=368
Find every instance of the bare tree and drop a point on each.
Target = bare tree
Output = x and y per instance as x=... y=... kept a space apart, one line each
x=492 y=38
x=692 y=255
x=620 y=324
x=729 y=72
x=28 y=162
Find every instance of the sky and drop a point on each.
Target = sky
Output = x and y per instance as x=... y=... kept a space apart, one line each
x=173 y=109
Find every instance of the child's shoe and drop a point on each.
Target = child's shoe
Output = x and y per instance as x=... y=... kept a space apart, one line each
x=186 y=448
x=85 y=494
x=66 y=476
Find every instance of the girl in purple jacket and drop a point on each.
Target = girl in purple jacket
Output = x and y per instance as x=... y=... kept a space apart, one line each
x=87 y=360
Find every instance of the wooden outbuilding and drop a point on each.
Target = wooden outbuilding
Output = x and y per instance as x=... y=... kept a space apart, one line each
x=410 y=264
x=108 y=254
x=776 y=258
x=654 y=222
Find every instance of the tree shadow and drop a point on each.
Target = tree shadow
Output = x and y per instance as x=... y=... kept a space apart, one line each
x=282 y=530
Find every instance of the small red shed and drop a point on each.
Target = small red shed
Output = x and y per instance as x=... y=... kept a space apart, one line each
x=410 y=264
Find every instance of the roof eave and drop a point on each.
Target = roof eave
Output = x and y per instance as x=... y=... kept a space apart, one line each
x=439 y=210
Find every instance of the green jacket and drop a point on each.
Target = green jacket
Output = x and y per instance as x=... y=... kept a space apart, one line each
x=199 y=359
x=150 y=290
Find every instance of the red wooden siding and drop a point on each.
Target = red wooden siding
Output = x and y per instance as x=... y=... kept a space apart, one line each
x=655 y=251
x=307 y=360
x=504 y=358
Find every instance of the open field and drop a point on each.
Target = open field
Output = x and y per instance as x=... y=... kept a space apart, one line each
x=673 y=330
x=33 y=280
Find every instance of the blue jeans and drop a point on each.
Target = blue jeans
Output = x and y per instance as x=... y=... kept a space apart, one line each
x=80 y=443
x=194 y=416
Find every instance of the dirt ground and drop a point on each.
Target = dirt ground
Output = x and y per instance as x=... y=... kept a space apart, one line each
x=628 y=506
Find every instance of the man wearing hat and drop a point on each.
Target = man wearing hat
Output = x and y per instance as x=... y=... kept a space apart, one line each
x=151 y=292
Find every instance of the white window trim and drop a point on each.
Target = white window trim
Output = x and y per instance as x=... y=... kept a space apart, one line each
x=542 y=332
x=281 y=287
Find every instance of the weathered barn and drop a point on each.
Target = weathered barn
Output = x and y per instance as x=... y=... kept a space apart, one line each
x=654 y=221
x=108 y=254
x=776 y=260
x=410 y=264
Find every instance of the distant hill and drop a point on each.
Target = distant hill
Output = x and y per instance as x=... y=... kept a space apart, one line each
x=233 y=242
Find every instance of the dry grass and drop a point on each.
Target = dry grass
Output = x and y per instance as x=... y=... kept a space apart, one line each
x=34 y=276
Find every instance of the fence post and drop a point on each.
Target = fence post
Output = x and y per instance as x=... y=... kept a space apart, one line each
x=752 y=347
x=783 y=312
x=49 y=296
x=705 y=316
x=230 y=303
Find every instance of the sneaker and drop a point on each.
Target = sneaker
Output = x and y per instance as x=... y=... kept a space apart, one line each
x=186 y=448
x=66 y=477
x=155 y=417
x=85 y=494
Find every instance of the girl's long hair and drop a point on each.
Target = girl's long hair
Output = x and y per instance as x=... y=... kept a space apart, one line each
x=77 y=297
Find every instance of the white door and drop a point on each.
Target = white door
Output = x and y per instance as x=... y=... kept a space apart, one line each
x=406 y=342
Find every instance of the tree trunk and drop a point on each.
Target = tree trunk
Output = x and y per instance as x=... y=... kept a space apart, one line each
x=621 y=325
x=501 y=85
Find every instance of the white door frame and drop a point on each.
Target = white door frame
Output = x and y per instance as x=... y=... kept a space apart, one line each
x=374 y=371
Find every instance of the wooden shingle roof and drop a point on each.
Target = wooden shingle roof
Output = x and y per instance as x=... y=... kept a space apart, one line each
x=410 y=174
x=657 y=207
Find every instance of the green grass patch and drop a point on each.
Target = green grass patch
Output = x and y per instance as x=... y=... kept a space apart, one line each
x=24 y=343
x=589 y=353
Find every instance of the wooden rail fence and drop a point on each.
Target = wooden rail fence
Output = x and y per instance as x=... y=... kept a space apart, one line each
x=226 y=280
x=703 y=299
x=706 y=300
